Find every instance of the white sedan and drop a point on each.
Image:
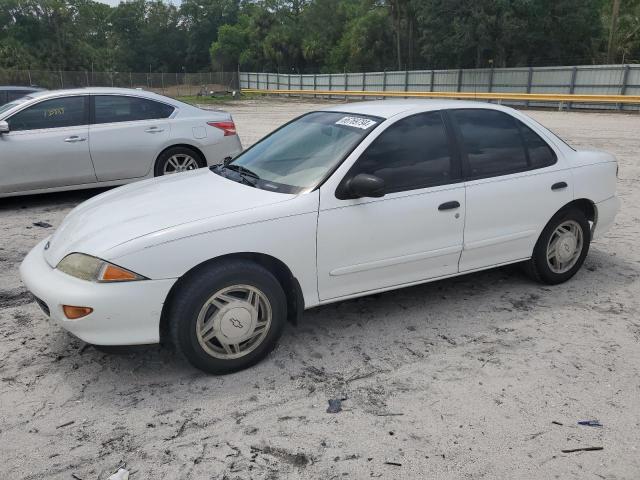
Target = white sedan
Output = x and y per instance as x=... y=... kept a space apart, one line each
x=336 y=204
x=98 y=137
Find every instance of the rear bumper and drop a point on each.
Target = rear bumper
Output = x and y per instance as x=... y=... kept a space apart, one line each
x=606 y=212
x=123 y=313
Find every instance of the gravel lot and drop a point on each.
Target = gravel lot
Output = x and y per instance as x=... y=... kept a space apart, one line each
x=463 y=378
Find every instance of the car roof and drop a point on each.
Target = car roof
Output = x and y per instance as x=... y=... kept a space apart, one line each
x=19 y=89
x=390 y=108
x=104 y=91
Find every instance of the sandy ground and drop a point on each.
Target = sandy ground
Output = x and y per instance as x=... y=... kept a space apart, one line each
x=456 y=379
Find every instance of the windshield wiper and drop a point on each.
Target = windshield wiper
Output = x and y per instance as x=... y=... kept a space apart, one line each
x=242 y=170
x=247 y=176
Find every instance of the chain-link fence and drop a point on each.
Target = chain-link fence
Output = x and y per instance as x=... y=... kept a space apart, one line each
x=589 y=79
x=170 y=84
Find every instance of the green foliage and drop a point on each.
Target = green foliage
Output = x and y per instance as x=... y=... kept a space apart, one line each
x=312 y=35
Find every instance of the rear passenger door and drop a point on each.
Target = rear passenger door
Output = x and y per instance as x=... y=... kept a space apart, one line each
x=126 y=135
x=515 y=182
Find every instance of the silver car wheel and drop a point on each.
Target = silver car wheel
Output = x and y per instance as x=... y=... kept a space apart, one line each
x=565 y=246
x=233 y=322
x=179 y=163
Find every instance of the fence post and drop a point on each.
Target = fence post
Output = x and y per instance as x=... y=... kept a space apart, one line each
x=86 y=77
x=384 y=83
x=330 y=87
x=459 y=87
x=432 y=80
x=625 y=81
x=29 y=74
x=406 y=81
x=529 y=79
x=61 y=80
x=346 y=84
x=315 y=85
x=162 y=80
x=491 y=80
x=364 y=84
x=130 y=80
x=572 y=86
x=289 y=82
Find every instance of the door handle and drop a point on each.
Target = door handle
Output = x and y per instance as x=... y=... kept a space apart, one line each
x=449 y=205
x=74 y=139
x=154 y=130
x=559 y=186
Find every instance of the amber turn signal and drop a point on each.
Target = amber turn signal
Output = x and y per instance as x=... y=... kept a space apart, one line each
x=111 y=273
x=73 y=313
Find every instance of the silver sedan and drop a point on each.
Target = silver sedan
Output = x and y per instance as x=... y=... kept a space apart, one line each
x=92 y=137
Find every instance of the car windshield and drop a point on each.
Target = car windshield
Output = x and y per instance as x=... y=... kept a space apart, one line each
x=14 y=103
x=298 y=156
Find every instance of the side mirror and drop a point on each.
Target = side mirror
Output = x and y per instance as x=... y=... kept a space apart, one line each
x=4 y=127
x=366 y=185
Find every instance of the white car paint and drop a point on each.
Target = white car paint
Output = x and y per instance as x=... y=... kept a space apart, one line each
x=107 y=154
x=334 y=248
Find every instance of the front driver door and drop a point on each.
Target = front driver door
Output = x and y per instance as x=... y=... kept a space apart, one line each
x=411 y=234
x=47 y=146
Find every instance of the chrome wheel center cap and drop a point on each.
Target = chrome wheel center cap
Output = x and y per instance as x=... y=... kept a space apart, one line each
x=236 y=324
x=566 y=247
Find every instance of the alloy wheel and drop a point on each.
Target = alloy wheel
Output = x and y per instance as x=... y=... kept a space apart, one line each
x=179 y=163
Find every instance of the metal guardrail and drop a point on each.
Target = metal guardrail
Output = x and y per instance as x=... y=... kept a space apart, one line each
x=533 y=97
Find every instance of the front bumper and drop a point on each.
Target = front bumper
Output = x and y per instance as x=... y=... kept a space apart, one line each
x=125 y=313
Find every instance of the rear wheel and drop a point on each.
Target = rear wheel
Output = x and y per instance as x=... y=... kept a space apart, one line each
x=228 y=317
x=177 y=160
x=562 y=247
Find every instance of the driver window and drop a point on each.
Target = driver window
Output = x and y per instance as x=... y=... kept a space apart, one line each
x=412 y=153
x=54 y=113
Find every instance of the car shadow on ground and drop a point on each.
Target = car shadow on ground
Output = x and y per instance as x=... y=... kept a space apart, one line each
x=50 y=200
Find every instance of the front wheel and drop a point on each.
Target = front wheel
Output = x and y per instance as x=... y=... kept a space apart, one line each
x=228 y=317
x=562 y=247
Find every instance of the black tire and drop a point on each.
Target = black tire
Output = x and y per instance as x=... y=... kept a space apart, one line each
x=538 y=267
x=164 y=157
x=194 y=293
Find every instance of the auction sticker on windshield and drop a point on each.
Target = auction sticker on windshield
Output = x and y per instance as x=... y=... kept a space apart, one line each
x=357 y=122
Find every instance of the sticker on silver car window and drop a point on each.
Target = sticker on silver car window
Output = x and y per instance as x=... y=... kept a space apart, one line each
x=357 y=122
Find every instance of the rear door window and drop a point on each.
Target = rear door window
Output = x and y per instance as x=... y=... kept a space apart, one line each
x=115 y=108
x=492 y=142
x=54 y=113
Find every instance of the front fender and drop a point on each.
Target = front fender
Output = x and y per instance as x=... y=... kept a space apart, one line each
x=284 y=231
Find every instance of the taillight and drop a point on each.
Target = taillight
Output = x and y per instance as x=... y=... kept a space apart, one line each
x=229 y=128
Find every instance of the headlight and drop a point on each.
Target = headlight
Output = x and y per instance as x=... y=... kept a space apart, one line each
x=94 y=269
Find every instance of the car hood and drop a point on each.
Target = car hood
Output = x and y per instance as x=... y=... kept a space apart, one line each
x=147 y=207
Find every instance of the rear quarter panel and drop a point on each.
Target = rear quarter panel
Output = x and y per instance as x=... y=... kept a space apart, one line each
x=594 y=175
